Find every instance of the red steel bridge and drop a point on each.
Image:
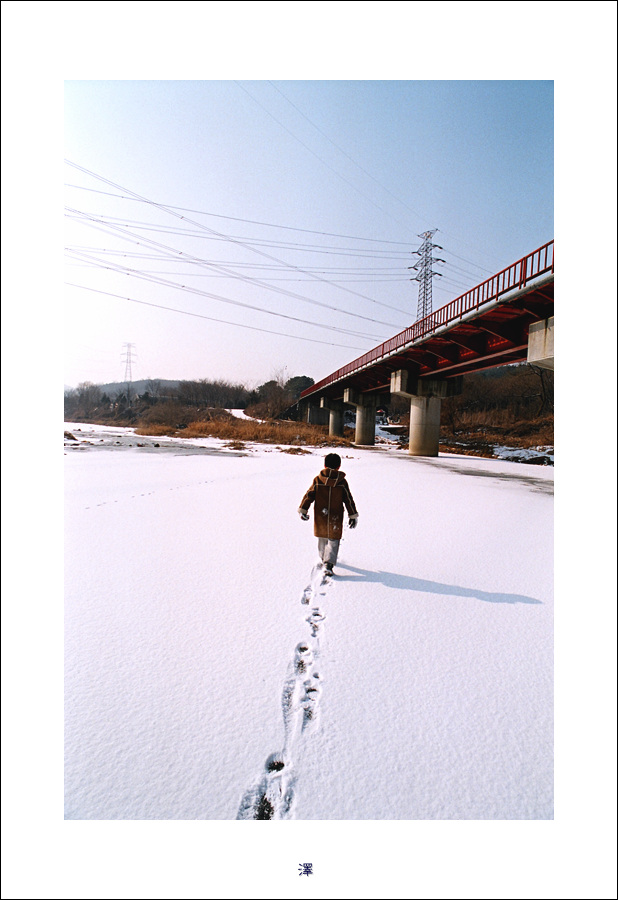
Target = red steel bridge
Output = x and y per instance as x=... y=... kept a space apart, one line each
x=487 y=326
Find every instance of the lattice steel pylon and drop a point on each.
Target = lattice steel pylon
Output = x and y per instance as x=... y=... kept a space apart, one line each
x=128 y=375
x=128 y=348
x=425 y=273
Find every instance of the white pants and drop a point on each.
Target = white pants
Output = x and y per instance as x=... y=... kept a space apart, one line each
x=328 y=550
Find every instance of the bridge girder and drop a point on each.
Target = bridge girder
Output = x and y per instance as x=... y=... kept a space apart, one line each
x=493 y=336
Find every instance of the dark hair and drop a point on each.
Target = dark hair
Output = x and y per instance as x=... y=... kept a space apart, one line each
x=332 y=461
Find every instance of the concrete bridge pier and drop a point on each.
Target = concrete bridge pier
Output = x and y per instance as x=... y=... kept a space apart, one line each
x=335 y=416
x=425 y=402
x=424 y=426
x=316 y=415
x=366 y=406
x=541 y=343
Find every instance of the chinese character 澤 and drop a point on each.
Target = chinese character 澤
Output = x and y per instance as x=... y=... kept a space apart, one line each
x=305 y=868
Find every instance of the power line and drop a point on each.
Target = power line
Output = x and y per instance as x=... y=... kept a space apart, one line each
x=259 y=242
x=211 y=318
x=201 y=212
x=358 y=166
x=224 y=272
x=347 y=155
x=239 y=243
x=201 y=262
x=336 y=270
x=331 y=270
x=137 y=199
x=251 y=243
x=222 y=269
x=388 y=278
x=144 y=276
x=313 y=153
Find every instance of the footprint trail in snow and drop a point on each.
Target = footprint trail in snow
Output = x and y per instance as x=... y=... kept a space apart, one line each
x=272 y=794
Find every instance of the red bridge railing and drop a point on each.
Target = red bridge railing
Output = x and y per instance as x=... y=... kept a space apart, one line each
x=515 y=276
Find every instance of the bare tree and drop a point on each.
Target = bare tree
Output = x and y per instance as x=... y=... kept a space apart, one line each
x=546 y=388
x=153 y=386
x=89 y=397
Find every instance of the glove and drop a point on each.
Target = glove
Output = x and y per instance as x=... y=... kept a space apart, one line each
x=304 y=516
x=353 y=522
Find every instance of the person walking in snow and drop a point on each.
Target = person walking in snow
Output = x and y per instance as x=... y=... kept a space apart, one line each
x=330 y=492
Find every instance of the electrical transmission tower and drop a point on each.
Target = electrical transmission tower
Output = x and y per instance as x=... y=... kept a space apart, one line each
x=128 y=375
x=425 y=272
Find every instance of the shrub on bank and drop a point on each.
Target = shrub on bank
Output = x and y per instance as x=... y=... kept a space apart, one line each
x=227 y=427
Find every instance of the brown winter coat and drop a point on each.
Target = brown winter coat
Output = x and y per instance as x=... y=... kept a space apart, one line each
x=330 y=492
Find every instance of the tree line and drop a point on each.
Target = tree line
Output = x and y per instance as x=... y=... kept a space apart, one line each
x=514 y=396
x=154 y=400
x=511 y=396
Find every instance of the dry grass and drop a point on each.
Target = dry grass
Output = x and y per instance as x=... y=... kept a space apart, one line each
x=156 y=430
x=480 y=440
x=229 y=428
x=511 y=431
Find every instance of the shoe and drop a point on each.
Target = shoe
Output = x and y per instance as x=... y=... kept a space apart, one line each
x=328 y=567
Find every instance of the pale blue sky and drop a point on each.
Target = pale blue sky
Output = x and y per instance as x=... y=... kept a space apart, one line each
x=351 y=170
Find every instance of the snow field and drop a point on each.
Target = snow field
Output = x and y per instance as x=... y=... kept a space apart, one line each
x=433 y=646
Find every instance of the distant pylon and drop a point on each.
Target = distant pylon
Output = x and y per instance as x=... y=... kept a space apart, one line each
x=425 y=272
x=128 y=374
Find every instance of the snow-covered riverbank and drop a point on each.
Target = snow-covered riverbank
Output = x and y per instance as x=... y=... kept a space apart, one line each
x=429 y=666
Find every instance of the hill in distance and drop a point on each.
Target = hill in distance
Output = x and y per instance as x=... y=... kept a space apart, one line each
x=138 y=387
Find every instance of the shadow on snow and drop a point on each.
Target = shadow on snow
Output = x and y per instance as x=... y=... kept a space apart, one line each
x=407 y=583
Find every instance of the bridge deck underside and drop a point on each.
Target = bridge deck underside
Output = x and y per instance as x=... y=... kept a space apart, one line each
x=496 y=336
